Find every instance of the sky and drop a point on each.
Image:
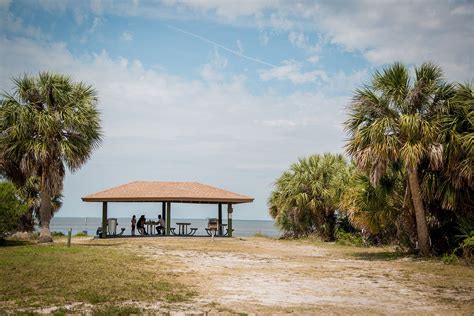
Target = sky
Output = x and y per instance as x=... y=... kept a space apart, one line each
x=223 y=92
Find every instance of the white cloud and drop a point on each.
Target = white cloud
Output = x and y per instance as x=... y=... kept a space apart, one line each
x=300 y=40
x=53 y=5
x=126 y=36
x=159 y=126
x=212 y=71
x=13 y=24
x=292 y=70
x=264 y=38
x=382 y=31
x=313 y=59
x=412 y=32
x=279 y=123
x=226 y=9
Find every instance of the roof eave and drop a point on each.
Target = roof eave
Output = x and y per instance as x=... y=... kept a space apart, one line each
x=173 y=200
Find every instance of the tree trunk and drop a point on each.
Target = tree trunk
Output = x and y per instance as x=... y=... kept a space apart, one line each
x=45 y=217
x=421 y=225
x=331 y=225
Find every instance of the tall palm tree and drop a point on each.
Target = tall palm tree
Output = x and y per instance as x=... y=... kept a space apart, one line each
x=307 y=195
x=395 y=118
x=48 y=123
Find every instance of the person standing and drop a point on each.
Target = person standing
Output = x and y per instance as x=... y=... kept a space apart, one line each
x=134 y=224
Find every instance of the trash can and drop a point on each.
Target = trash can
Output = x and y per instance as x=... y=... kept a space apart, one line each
x=112 y=226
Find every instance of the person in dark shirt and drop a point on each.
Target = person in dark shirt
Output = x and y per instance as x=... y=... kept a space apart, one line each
x=141 y=225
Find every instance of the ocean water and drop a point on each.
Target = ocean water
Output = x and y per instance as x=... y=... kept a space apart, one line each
x=90 y=224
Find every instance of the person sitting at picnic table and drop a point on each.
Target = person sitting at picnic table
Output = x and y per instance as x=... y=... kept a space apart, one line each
x=160 y=228
x=141 y=225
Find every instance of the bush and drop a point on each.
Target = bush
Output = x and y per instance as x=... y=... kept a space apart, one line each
x=449 y=259
x=349 y=239
x=57 y=234
x=11 y=208
x=81 y=234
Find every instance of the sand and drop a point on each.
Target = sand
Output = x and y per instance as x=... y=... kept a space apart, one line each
x=267 y=276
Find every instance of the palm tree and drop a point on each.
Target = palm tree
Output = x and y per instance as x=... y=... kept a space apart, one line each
x=48 y=123
x=456 y=182
x=380 y=210
x=395 y=118
x=307 y=195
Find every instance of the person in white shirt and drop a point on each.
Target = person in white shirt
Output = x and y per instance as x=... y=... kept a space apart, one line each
x=160 y=229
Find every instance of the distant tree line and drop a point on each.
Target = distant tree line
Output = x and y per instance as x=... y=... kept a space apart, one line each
x=410 y=178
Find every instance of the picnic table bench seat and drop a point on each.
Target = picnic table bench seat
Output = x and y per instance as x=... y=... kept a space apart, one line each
x=210 y=230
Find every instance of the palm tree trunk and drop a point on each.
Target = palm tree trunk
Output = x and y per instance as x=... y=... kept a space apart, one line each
x=45 y=217
x=331 y=226
x=421 y=225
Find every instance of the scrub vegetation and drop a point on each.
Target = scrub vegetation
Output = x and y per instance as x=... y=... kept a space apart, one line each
x=411 y=178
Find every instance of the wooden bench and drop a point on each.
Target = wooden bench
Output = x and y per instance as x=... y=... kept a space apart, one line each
x=210 y=230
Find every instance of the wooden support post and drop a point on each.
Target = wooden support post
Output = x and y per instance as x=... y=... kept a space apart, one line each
x=69 y=234
x=229 y=220
x=168 y=218
x=163 y=211
x=219 y=218
x=104 y=219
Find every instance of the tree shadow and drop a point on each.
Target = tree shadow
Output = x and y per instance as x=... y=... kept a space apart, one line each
x=14 y=243
x=101 y=245
x=381 y=256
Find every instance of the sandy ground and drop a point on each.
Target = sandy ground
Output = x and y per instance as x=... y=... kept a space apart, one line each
x=266 y=276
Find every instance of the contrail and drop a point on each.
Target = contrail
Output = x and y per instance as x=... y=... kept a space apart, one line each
x=221 y=46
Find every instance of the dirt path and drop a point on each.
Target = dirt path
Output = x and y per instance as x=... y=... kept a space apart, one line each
x=265 y=276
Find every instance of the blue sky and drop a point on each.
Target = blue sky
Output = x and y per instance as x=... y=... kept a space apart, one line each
x=227 y=93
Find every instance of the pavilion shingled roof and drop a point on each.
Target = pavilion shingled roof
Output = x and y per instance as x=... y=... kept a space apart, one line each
x=157 y=191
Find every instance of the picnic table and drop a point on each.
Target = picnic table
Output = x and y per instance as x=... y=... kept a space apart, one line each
x=151 y=225
x=183 y=230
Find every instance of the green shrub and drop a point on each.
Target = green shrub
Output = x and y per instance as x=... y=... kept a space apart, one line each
x=81 y=234
x=449 y=259
x=11 y=208
x=349 y=239
x=57 y=234
x=467 y=247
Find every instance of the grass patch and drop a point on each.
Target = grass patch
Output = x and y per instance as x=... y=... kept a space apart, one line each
x=54 y=275
x=260 y=234
x=379 y=256
x=117 y=310
x=81 y=234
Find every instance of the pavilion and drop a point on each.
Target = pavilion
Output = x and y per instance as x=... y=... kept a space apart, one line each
x=167 y=193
